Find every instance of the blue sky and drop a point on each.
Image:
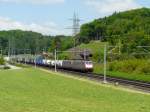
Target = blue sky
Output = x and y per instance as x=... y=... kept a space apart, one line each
x=51 y=17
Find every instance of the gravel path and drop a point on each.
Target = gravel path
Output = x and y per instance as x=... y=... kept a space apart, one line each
x=13 y=67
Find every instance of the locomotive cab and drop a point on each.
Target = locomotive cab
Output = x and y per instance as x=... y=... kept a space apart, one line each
x=89 y=66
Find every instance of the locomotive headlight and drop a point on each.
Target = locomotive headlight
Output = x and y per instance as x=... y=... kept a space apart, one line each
x=88 y=65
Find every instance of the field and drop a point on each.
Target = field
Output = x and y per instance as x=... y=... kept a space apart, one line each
x=32 y=90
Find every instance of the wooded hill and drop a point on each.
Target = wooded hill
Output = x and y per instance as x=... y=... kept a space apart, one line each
x=17 y=41
x=129 y=25
x=131 y=28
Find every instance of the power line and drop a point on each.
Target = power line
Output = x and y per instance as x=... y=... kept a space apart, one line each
x=76 y=24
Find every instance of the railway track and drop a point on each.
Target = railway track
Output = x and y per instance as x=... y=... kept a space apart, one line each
x=138 y=85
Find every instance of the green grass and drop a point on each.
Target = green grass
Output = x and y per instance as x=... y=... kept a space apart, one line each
x=32 y=90
x=98 y=68
x=131 y=76
x=94 y=46
x=20 y=65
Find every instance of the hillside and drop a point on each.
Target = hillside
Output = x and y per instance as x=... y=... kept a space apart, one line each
x=123 y=24
x=30 y=42
x=96 y=48
x=19 y=40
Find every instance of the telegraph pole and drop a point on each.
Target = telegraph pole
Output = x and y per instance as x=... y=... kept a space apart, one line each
x=84 y=55
x=1 y=47
x=8 y=53
x=1 y=52
x=35 y=60
x=119 y=47
x=55 y=60
x=105 y=63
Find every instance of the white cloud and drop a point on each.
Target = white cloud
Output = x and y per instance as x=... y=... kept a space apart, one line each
x=48 y=28
x=106 y=7
x=34 y=1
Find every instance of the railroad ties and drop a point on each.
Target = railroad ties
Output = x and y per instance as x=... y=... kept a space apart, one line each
x=139 y=85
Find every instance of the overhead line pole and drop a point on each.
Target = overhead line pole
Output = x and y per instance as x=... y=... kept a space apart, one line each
x=1 y=52
x=35 y=60
x=55 y=60
x=105 y=63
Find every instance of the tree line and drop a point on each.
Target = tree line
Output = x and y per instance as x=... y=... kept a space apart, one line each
x=131 y=28
x=19 y=42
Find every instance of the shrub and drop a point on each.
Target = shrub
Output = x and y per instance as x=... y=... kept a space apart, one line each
x=141 y=66
x=64 y=56
x=2 y=61
x=6 y=67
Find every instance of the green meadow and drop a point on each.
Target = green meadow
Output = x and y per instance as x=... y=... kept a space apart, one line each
x=33 y=90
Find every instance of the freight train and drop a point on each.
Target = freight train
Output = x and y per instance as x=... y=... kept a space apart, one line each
x=76 y=65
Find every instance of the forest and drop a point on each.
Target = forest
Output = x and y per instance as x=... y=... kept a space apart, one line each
x=131 y=28
x=19 y=42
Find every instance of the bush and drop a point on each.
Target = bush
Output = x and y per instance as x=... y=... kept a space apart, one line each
x=6 y=67
x=64 y=56
x=2 y=61
x=141 y=66
x=97 y=57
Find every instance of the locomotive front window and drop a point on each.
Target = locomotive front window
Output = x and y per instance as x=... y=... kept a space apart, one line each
x=88 y=62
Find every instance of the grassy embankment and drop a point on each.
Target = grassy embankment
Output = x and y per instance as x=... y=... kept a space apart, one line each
x=98 y=68
x=97 y=49
x=133 y=69
x=32 y=90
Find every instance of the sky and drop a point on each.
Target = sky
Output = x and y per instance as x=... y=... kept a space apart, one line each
x=52 y=17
